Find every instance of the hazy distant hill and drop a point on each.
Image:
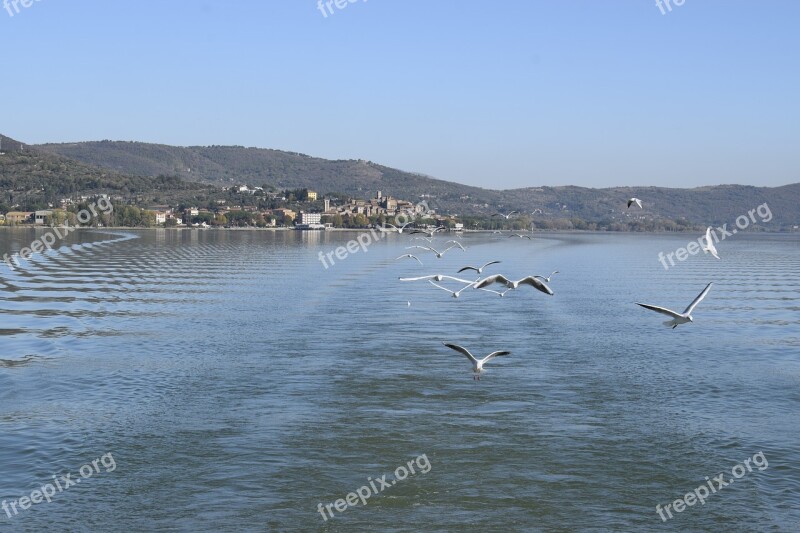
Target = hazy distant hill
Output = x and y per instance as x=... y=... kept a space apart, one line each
x=226 y=165
x=32 y=178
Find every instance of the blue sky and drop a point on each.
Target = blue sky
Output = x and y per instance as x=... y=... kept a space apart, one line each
x=496 y=94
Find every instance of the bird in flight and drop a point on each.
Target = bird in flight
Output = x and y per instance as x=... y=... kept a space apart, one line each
x=709 y=247
x=635 y=201
x=410 y=256
x=455 y=294
x=505 y=216
x=679 y=318
x=479 y=270
x=437 y=252
x=429 y=232
x=401 y=228
x=547 y=279
x=477 y=364
x=521 y=236
x=499 y=278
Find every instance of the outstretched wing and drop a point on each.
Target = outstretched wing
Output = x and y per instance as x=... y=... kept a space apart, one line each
x=494 y=354
x=535 y=283
x=485 y=282
x=489 y=263
x=662 y=310
x=461 y=350
x=698 y=299
x=468 y=268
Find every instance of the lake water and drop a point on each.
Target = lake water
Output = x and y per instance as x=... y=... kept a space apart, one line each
x=238 y=384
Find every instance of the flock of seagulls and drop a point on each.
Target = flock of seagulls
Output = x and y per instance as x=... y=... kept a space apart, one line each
x=538 y=282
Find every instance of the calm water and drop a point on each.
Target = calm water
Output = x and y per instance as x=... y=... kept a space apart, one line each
x=238 y=384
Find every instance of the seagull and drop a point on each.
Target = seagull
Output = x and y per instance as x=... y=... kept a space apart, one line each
x=437 y=252
x=430 y=232
x=679 y=318
x=479 y=270
x=455 y=294
x=409 y=256
x=635 y=201
x=505 y=216
x=456 y=243
x=709 y=247
x=477 y=364
x=438 y=277
x=547 y=279
x=521 y=236
x=501 y=294
x=499 y=278
x=401 y=228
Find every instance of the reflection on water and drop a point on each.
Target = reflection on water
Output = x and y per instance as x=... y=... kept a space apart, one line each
x=238 y=383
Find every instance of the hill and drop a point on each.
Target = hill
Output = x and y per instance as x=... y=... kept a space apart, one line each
x=227 y=165
x=33 y=179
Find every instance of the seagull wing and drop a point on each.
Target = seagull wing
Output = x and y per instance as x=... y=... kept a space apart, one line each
x=535 y=283
x=485 y=282
x=511 y=213
x=439 y=286
x=457 y=279
x=462 y=350
x=698 y=299
x=469 y=268
x=489 y=263
x=494 y=354
x=497 y=215
x=639 y=203
x=710 y=244
x=417 y=279
x=662 y=310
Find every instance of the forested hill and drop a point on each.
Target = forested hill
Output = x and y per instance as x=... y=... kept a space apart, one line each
x=31 y=179
x=228 y=165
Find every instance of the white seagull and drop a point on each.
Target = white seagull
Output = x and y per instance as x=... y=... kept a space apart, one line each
x=499 y=278
x=401 y=228
x=437 y=277
x=429 y=232
x=455 y=294
x=635 y=201
x=505 y=216
x=679 y=318
x=709 y=247
x=409 y=256
x=437 y=252
x=521 y=236
x=477 y=364
x=547 y=279
x=479 y=270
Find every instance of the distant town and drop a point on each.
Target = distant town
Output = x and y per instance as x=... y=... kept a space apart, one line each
x=257 y=208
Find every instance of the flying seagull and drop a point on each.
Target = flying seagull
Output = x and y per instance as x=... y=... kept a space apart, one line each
x=437 y=252
x=679 y=318
x=477 y=364
x=635 y=201
x=430 y=232
x=521 y=236
x=709 y=247
x=547 y=279
x=479 y=270
x=499 y=278
x=437 y=277
x=505 y=216
x=455 y=294
x=401 y=228
x=410 y=256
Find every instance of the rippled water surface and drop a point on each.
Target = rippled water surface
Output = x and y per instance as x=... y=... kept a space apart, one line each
x=238 y=384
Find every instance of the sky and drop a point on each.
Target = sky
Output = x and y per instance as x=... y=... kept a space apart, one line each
x=517 y=93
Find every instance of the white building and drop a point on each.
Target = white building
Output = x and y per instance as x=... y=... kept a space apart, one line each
x=310 y=218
